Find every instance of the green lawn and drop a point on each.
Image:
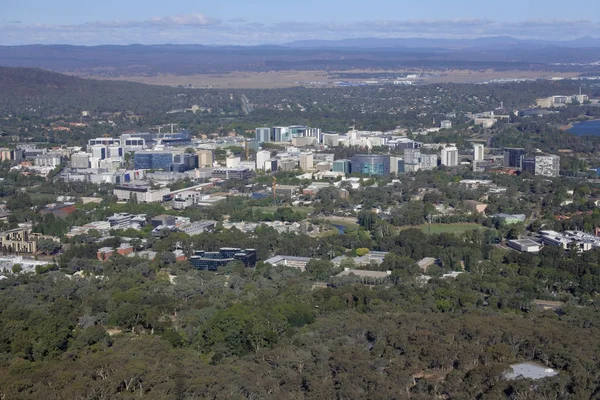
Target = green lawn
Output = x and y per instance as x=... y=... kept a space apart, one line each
x=446 y=228
x=272 y=209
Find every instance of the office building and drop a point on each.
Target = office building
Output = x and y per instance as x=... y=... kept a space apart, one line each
x=446 y=124
x=186 y=160
x=48 y=160
x=412 y=156
x=262 y=157
x=133 y=143
x=80 y=160
x=513 y=157
x=330 y=139
x=152 y=160
x=342 y=166
x=542 y=165
x=205 y=158
x=429 y=162
x=478 y=151
x=271 y=165
x=263 y=135
x=298 y=131
x=281 y=134
x=105 y=142
x=450 y=156
x=368 y=164
x=289 y=261
x=211 y=261
x=141 y=192
x=19 y=240
x=232 y=173
x=307 y=161
x=401 y=143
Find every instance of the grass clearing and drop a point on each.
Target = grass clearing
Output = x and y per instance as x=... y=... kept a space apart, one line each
x=460 y=227
x=272 y=209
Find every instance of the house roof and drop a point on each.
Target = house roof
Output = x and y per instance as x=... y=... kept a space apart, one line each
x=365 y=274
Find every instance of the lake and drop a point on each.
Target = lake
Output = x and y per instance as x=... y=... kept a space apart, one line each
x=587 y=128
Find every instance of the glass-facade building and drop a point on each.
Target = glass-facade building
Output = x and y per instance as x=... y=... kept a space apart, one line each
x=341 y=166
x=367 y=164
x=211 y=261
x=263 y=135
x=513 y=157
x=152 y=160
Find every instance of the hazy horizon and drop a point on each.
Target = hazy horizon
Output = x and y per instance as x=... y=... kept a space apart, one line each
x=237 y=22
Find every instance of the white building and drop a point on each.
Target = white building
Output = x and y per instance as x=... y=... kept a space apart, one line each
x=80 y=160
x=262 y=157
x=307 y=161
x=446 y=124
x=450 y=156
x=143 y=193
x=233 y=162
x=48 y=160
x=478 y=152
x=429 y=161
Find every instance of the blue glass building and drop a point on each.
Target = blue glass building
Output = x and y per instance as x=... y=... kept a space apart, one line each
x=211 y=261
x=368 y=164
x=152 y=160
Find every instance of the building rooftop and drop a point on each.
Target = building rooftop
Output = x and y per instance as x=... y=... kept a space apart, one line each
x=278 y=259
x=365 y=274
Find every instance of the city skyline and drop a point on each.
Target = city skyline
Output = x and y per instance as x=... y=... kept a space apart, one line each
x=270 y=22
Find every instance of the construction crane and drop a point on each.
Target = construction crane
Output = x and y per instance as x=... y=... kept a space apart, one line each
x=274 y=187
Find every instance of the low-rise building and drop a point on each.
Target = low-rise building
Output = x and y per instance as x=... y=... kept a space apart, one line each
x=525 y=245
x=19 y=240
x=211 y=261
x=475 y=206
x=289 y=261
x=141 y=192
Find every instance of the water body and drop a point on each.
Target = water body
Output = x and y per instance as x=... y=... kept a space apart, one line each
x=340 y=228
x=587 y=128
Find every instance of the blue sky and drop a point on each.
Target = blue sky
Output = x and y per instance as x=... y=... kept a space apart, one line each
x=279 y=21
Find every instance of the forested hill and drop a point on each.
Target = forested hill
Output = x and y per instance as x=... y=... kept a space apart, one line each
x=51 y=92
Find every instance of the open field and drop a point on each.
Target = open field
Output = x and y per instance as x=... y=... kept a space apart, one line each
x=446 y=228
x=272 y=209
x=282 y=79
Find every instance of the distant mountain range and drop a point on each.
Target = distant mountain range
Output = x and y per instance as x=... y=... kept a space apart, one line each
x=327 y=55
x=484 y=42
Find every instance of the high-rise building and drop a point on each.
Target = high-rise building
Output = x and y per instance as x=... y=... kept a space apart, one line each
x=205 y=158
x=478 y=151
x=263 y=135
x=262 y=157
x=450 y=156
x=513 y=157
x=429 y=161
x=281 y=134
x=307 y=161
x=542 y=165
x=370 y=164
